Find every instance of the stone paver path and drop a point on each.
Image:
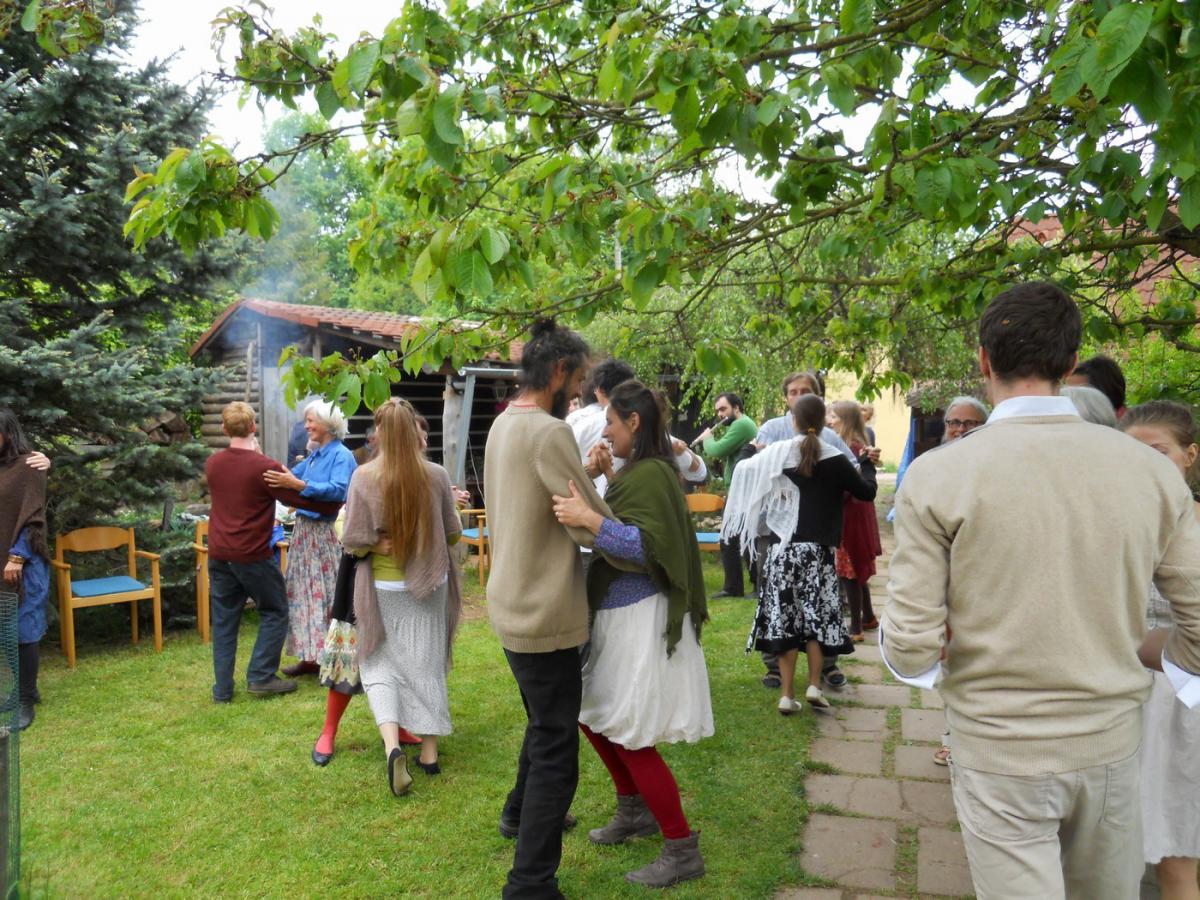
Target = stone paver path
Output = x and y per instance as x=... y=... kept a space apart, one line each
x=881 y=820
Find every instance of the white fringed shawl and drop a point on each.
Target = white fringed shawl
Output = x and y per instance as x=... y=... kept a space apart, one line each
x=762 y=500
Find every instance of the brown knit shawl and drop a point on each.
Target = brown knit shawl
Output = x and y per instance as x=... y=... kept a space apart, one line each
x=365 y=523
x=23 y=505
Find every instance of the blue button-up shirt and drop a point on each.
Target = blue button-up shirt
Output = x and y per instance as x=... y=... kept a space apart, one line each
x=326 y=473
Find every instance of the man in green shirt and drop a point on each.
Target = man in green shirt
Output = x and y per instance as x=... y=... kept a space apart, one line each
x=736 y=430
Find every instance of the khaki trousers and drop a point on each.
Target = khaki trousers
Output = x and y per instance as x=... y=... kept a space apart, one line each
x=1075 y=835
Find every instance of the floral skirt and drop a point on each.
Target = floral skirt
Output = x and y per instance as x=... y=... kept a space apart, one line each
x=799 y=602
x=311 y=582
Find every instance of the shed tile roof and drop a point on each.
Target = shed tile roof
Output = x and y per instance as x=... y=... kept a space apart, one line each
x=367 y=322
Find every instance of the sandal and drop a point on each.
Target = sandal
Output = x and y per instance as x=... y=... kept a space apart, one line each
x=856 y=638
x=942 y=756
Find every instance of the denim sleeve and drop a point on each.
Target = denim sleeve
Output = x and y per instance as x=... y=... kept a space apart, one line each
x=621 y=541
x=329 y=477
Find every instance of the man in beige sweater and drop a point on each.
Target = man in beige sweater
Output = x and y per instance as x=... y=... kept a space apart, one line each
x=1024 y=557
x=536 y=596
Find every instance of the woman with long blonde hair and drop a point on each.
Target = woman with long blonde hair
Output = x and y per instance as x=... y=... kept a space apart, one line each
x=860 y=545
x=400 y=517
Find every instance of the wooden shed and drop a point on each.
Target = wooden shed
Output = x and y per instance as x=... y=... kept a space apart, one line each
x=249 y=336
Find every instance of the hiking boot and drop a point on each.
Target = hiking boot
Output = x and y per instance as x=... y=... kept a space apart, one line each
x=680 y=860
x=834 y=678
x=632 y=819
x=273 y=685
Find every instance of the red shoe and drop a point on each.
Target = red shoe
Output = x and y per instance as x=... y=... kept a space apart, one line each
x=407 y=737
x=873 y=625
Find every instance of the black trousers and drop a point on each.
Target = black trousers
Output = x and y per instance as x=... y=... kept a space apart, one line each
x=732 y=561
x=547 y=769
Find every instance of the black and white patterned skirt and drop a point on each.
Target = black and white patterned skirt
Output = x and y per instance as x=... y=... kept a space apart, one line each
x=799 y=602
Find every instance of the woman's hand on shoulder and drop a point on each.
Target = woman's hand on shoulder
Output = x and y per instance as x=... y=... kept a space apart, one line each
x=38 y=460
x=574 y=512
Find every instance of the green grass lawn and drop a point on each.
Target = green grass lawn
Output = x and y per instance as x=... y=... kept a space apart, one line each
x=135 y=784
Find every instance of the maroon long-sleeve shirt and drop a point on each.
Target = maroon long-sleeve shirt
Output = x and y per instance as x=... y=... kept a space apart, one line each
x=243 y=505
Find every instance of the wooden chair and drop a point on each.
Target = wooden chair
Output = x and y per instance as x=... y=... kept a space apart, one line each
x=477 y=537
x=200 y=545
x=73 y=595
x=203 y=612
x=706 y=503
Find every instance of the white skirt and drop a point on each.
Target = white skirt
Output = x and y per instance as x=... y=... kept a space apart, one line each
x=635 y=695
x=1170 y=775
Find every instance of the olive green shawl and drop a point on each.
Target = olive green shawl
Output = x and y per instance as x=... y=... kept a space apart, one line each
x=647 y=495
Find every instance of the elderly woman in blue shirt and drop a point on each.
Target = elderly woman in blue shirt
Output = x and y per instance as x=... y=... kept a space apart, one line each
x=315 y=551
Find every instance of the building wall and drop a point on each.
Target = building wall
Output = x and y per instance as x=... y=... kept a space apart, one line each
x=892 y=413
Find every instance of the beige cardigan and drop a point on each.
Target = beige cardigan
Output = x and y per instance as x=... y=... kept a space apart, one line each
x=1035 y=539
x=535 y=592
x=423 y=573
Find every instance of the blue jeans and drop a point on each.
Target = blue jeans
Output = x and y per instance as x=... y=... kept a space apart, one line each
x=230 y=583
x=547 y=770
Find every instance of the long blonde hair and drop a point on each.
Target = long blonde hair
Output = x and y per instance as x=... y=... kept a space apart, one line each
x=403 y=479
x=851 y=426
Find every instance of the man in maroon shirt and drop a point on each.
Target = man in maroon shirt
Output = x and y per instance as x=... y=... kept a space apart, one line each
x=240 y=560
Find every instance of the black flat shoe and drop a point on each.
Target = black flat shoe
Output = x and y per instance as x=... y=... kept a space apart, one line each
x=26 y=716
x=429 y=768
x=397 y=772
x=321 y=759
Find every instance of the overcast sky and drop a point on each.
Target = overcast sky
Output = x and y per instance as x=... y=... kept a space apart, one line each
x=184 y=28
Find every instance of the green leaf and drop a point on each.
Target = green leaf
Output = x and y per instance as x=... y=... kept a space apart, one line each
x=362 y=63
x=410 y=118
x=439 y=151
x=708 y=361
x=1156 y=207
x=606 y=80
x=377 y=390
x=445 y=115
x=29 y=21
x=855 y=16
x=494 y=245
x=1189 y=204
x=328 y=101
x=472 y=275
x=191 y=173
x=933 y=190
x=1121 y=32
x=716 y=127
x=686 y=112
x=770 y=107
x=648 y=278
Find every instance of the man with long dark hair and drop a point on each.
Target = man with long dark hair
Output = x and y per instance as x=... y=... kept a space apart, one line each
x=536 y=597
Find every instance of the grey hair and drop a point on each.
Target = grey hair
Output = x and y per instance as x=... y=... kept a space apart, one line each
x=964 y=400
x=1092 y=404
x=329 y=416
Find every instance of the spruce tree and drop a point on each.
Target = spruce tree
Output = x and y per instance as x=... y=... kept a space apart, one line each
x=92 y=333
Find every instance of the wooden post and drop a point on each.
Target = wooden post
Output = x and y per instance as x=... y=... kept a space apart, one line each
x=452 y=411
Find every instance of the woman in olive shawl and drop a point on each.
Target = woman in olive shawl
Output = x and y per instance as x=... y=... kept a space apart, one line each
x=26 y=567
x=645 y=680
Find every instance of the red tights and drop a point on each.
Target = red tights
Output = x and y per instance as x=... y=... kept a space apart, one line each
x=643 y=772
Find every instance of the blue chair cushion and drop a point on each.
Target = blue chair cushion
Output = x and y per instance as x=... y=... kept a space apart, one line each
x=117 y=584
x=472 y=534
x=708 y=537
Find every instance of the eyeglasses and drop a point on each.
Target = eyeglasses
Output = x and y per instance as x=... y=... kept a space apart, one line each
x=963 y=423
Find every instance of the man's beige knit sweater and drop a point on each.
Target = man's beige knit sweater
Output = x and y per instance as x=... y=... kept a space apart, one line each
x=535 y=591
x=1036 y=539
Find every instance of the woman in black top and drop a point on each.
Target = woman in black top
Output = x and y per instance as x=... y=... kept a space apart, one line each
x=800 y=605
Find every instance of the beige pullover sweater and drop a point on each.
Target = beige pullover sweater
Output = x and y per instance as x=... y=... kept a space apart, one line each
x=1036 y=538
x=535 y=591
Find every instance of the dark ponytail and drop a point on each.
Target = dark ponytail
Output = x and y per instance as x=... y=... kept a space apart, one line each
x=809 y=416
x=15 y=443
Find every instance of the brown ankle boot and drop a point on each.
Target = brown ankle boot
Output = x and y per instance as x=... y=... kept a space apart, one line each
x=632 y=819
x=680 y=860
